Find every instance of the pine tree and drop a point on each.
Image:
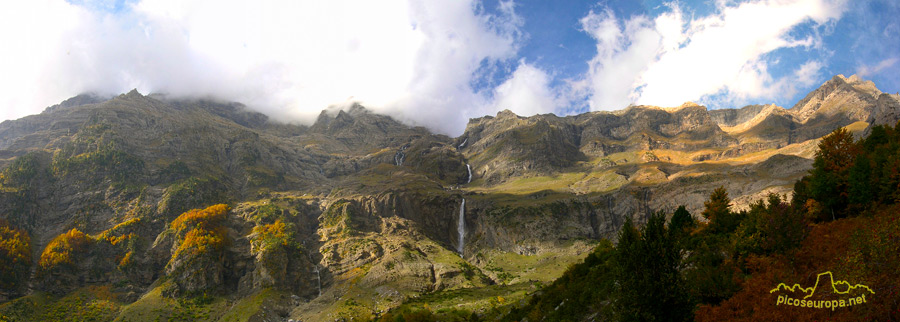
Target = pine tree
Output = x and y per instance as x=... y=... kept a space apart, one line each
x=650 y=284
x=718 y=212
x=717 y=205
x=680 y=225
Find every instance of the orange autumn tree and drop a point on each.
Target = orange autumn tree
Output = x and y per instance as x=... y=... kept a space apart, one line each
x=200 y=230
x=64 y=249
x=15 y=255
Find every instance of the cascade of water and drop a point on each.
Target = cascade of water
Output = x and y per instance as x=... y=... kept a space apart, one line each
x=461 y=226
x=461 y=145
x=398 y=158
x=319 y=279
x=470 y=172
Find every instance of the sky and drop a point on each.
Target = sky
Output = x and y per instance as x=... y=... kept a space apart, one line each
x=438 y=63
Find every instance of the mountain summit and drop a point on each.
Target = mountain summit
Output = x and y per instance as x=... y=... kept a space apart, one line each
x=359 y=211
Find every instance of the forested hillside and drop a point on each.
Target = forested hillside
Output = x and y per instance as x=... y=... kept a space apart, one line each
x=843 y=218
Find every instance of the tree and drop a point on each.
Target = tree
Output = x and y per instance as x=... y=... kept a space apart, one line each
x=681 y=224
x=718 y=212
x=861 y=190
x=15 y=256
x=773 y=228
x=628 y=267
x=800 y=195
x=717 y=205
x=831 y=171
x=650 y=286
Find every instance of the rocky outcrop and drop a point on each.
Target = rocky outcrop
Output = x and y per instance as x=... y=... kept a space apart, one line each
x=732 y=117
x=508 y=145
x=850 y=97
x=887 y=110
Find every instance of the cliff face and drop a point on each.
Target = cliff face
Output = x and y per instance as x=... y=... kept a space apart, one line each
x=361 y=207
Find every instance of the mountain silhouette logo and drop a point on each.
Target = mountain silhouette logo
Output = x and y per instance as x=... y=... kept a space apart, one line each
x=823 y=280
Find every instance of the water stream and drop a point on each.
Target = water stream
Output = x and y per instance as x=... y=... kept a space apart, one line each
x=461 y=227
x=398 y=158
x=319 y=279
x=470 y=173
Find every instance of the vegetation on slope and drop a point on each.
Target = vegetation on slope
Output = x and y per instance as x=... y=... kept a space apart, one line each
x=65 y=250
x=15 y=256
x=200 y=231
x=843 y=219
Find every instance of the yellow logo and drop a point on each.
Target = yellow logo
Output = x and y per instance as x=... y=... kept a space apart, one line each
x=837 y=287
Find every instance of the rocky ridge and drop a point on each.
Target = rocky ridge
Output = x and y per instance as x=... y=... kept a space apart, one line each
x=364 y=209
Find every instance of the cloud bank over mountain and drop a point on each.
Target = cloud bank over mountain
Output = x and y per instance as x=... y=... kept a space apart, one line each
x=432 y=63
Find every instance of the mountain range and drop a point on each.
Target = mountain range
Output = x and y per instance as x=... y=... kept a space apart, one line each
x=370 y=208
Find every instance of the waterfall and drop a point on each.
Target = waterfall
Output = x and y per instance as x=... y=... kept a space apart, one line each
x=461 y=227
x=461 y=145
x=315 y=268
x=398 y=158
x=470 y=174
x=319 y=279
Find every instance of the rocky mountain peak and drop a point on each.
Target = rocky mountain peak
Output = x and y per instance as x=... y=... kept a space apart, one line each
x=133 y=93
x=840 y=95
x=78 y=100
x=506 y=114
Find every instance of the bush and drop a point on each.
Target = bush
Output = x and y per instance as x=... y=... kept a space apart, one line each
x=64 y=249
x=200 y=231
x=125 y=241
x=190 y=193
x=273 y=235
x=15 y=256
x=772 y=228
x=200 y=241
x=21 y=172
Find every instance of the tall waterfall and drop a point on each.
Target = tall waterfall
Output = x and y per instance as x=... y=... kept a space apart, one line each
x=319 y=279
x=461 y=145
x=461 y=227
x=470 y=174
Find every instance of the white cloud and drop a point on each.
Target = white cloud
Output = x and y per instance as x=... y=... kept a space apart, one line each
x=411 y=59
x=289 y=59
x=622 y=56
x=527 y=92
x=458 y=41
x=28 y=44
x=866 y=70
x=668 y=60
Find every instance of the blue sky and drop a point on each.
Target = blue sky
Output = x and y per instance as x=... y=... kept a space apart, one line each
x=438 y=63
x=864 y=36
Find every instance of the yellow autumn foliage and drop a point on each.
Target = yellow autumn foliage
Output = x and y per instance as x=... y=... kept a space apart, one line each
x=201 y=230
x=272 y=235
x=15 y=254
x=64 y=248
x=200 y=218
